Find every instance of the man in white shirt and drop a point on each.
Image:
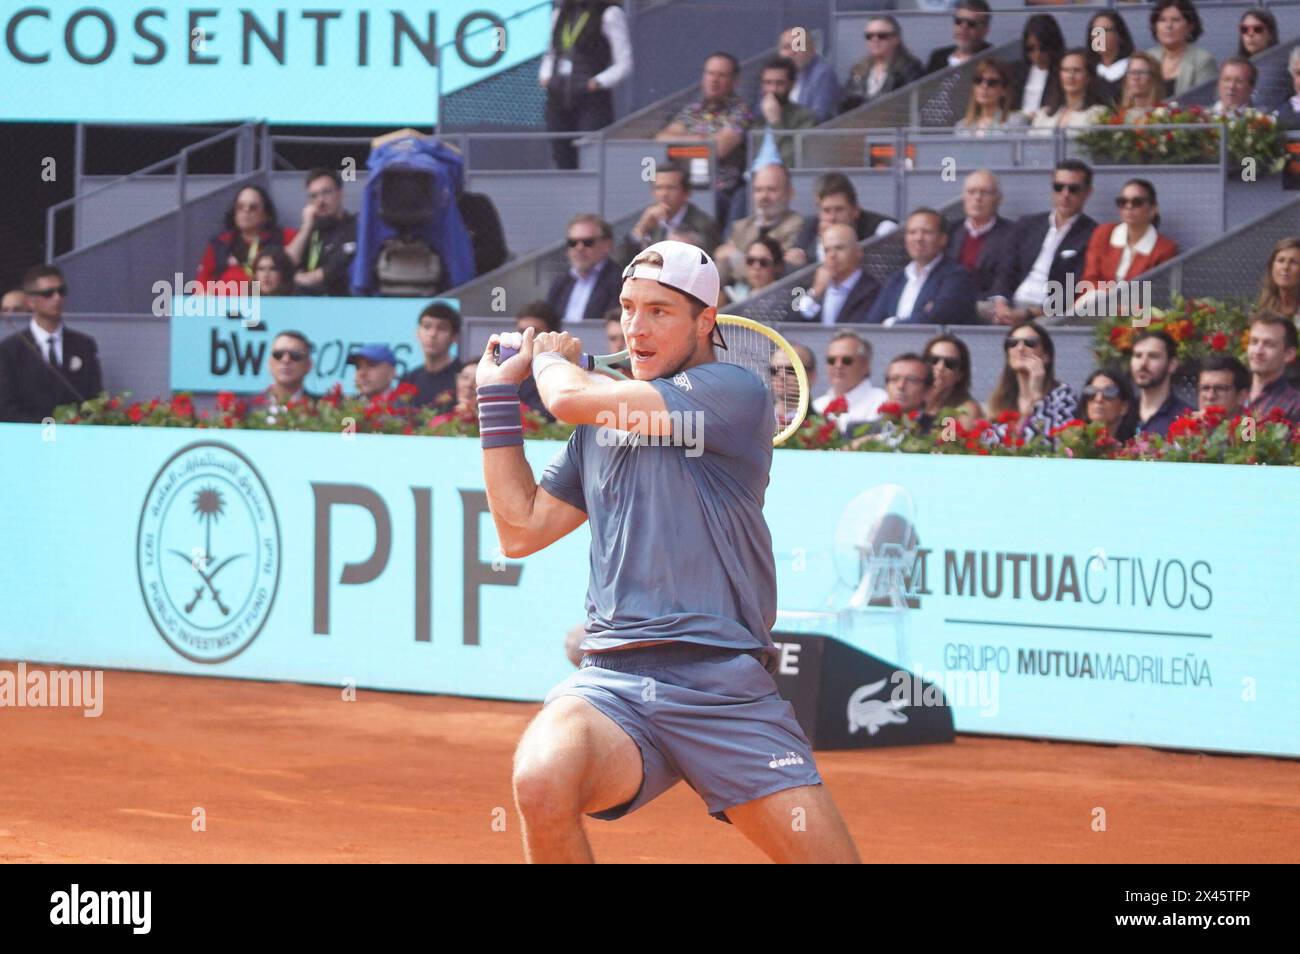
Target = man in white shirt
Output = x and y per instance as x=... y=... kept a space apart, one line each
x=842 y=292
x=591 y=285
x=852 y=398
x=1045 y=248
x=46 y=364
x=930 y=289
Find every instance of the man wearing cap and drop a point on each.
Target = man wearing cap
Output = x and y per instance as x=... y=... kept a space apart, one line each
x=670 y=468
x=376 y=367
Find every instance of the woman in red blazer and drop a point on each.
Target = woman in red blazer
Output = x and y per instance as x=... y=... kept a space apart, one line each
x=1120 y=251
x=250 y=228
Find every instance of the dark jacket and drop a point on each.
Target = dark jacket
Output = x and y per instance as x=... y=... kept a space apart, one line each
x=946 y=298
x=1019 y=253
x=695 y=218
x=603 y=297
x=338 y=245
x=30 y=389
x=1287 y=118
x=986 y=266
x=906 y=70
x=865 y=227
x=856 y=305
x=486 y=234
x=939 y=58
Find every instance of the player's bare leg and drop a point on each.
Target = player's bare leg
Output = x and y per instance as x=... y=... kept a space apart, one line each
x=572 y=759
x=797 y=826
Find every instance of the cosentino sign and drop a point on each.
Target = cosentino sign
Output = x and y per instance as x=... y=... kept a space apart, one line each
x=290 y=62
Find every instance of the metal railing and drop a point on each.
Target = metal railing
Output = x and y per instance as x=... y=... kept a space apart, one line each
x=252 y=154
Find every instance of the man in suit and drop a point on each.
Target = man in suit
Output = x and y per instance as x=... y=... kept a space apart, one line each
x=46 y=364
x=969 y=32
x=671 y=209
x=593 y=282
x=770 y=195
x=816 y=88
x=1045 y=248
x=837 y=204
x=842 y=292
x=974 y=243
x=931 y=289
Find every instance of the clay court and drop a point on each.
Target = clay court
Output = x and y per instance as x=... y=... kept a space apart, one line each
x=292 y=773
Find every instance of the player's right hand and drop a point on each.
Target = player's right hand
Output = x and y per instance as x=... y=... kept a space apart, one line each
x=516 y=368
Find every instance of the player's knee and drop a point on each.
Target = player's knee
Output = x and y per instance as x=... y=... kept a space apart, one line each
x=544 y=789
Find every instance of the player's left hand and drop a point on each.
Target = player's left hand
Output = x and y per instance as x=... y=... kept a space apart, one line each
x=559 y=341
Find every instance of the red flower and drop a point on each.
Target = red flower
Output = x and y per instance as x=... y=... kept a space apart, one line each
x=891 y=409
x=225 y=400
x=134 y=413
x=405 y=390
x=182 y=406
x=333 y=396
x=839 y=405
x=1062 y=428
x=114 y=403
x=1008 y=417
x=1217 y=341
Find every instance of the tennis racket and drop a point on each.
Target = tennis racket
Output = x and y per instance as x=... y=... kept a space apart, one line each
x=751 y=345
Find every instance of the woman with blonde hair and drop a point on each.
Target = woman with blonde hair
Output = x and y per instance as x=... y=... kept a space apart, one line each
x=1280 y=290
x=1141 y=90
x=989 y=107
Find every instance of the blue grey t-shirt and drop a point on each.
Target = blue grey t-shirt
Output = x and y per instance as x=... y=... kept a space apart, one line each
x=679 y=545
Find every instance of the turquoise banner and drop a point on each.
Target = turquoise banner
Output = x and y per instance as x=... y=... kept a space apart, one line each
x=1089 y=600
x=224 y=344
x=349 y=63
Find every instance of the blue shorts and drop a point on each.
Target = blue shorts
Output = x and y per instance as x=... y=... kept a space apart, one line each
x=708 y=715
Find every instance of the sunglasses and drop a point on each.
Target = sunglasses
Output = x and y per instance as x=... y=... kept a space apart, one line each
x=879 y=36
x=845 y=360
x=1109 y=392
x=1020 y=342
x=584 y=242
x=1130 y=201
x=1248 y=30
x=971 y=22
x=759 y=262
x=283 y=354
x=1074 y=188
x=61 y=290
x=988 y=81
x=952 y=364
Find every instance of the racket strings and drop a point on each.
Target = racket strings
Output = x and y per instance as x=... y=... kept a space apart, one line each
x=760 y=355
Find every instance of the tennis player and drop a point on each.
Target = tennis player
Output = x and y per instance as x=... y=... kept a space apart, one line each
x=676 y=678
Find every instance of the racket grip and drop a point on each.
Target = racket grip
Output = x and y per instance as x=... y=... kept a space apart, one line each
x=504 y=354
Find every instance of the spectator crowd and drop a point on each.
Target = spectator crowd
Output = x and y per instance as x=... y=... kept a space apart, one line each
x=981 y=268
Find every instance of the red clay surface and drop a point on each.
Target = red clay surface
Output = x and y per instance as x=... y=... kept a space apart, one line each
x=293 y=773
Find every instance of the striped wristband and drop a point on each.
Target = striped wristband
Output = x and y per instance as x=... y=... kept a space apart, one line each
x=499 y=422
